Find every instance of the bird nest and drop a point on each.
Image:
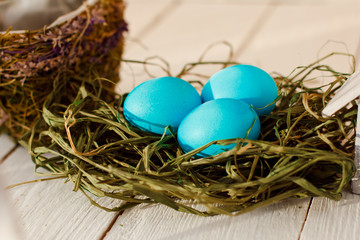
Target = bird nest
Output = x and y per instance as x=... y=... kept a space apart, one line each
x=86 y=140
x=83 y=42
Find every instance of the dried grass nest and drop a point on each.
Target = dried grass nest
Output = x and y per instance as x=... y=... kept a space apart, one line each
x=88 y=142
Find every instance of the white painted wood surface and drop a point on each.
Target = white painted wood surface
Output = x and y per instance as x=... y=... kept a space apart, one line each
x=280 y=221
x=274 y=35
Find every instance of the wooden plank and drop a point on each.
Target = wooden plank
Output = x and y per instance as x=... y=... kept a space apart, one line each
x=51 y=210
x=281 y=221
x=298 y=35
x=8 y=228
x=6 y=144
x=186 y=34
x=333 y=220
x=151 y=12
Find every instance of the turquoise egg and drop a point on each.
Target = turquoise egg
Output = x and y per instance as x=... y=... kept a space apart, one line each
x=223 y=118
x=245 y=82
x=160 y=102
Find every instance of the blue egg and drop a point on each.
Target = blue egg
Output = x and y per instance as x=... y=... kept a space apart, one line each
x=160 y=102
x=223 y=118
x=245 y=82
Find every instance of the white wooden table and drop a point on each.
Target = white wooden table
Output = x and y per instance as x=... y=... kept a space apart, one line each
x=274 y=35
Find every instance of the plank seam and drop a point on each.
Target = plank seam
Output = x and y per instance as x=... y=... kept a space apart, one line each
x=357 y=52
x=305 y=219
x=112 y=223
x=168 y=9
x=260 y=22
x=7 y=155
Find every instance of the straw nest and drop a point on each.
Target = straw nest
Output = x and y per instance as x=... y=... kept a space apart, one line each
x=87 y=41
x=87 y=141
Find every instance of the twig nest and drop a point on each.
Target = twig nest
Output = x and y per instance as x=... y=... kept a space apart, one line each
x=88 y=40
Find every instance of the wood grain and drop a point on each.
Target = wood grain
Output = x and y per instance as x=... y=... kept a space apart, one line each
x=151 y=12
x=51 y=210
x=6 y=144
x=280 y=221
x=184 y=35
x=8 y=227
x=299 y=34
x=333 y=220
